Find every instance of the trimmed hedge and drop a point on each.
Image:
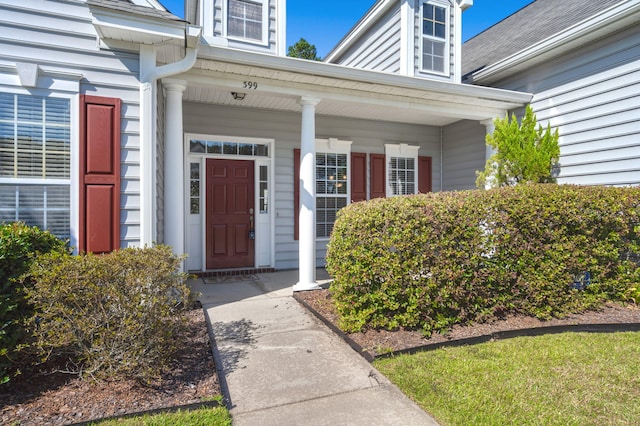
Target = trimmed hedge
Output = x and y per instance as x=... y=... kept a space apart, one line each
x=19 y=244
x=109 y=315
x=434 y=260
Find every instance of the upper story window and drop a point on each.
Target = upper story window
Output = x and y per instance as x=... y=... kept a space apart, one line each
x=435 y=37
x=247 y=20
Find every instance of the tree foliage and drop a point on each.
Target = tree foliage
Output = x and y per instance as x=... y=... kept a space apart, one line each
x=523 y=153
x=304 y=50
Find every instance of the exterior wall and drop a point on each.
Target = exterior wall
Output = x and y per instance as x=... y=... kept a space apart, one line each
x=218 y=31
x=57 y=35
x=379 y=48
x=463 y=152
x=284 y=128
x=593 y=98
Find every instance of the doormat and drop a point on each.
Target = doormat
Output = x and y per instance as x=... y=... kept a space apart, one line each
x=231 y=278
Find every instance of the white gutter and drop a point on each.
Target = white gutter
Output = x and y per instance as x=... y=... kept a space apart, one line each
x=616 y=17
x=150 y=73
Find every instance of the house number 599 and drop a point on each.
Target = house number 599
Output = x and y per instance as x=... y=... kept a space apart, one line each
x=250 y=85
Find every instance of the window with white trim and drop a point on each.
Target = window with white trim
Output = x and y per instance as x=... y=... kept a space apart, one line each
x=247 y=19
x=35 y=147
x=434 y=21
x=332 y=182
x=402 y=169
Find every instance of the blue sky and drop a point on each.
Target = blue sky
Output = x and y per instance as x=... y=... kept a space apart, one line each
x=325 y=22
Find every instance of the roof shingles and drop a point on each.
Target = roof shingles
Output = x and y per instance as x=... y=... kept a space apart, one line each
x=128 y=6
x=531 y=24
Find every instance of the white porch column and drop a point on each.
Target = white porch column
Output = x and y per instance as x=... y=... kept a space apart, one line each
x=174 y=228
x=489 y=151
x=491 y=127
x=307 y=218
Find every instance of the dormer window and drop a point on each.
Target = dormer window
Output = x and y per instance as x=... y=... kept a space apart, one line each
x=247 y=20
x=435 y=37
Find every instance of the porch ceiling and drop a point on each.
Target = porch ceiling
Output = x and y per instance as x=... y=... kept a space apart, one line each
x=277 y=83
x=329 y=107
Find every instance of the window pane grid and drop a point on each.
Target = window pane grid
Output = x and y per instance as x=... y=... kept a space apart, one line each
x=326 y=211
x=35 y=140
x=44 y=206
x=245 y=19
x=228 y=148
x=434 y=32
x=263 y=184
x=331 y=190
x=194 y=188
x=402 y=176
x=35 y=136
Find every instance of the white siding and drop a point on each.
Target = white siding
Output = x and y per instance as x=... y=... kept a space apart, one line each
x=463 y=153
x=379 y=48
x=593 y=98
x=58 y=34
x=284 y=128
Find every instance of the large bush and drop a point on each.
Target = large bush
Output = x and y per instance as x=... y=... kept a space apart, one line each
x=430 y=261
x=19 y=244
x=109 y=315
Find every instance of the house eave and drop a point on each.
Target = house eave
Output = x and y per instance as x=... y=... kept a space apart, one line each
x=301 y=66
x=123 y=26
x=611 y=20
x=291 y=77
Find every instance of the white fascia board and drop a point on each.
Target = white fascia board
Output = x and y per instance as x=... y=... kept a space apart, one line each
x=616 y=17
x=321 y=69
x=369 y=19
x=281 y=22
x=122 y=26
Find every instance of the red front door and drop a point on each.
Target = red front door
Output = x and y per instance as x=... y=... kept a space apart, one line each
x=230 y=208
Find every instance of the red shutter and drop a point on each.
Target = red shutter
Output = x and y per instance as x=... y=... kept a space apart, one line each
x=358 y=176
x=296 y=192
x=378 y=176
x=424 y=175
x=99 y=174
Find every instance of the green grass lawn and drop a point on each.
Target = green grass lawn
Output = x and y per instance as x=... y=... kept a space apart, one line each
x=561 y=379
x=218 y=416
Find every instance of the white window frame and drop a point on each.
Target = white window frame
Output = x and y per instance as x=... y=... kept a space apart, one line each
x=73 y=181
x=333 y=146
x=264 y=41
x=402 y=150
x=447 y=40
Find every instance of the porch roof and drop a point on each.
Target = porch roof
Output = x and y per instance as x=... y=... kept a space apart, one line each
x=345 y=92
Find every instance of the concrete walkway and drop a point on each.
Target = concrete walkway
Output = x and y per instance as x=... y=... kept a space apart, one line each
x=279 y=365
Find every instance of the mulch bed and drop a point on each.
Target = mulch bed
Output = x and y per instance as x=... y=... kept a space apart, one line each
x=59 y=399
x=375 y=343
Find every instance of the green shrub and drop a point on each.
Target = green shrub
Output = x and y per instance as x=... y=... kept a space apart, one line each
x=109 y=315
x=18 y=245
x=430 y=261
